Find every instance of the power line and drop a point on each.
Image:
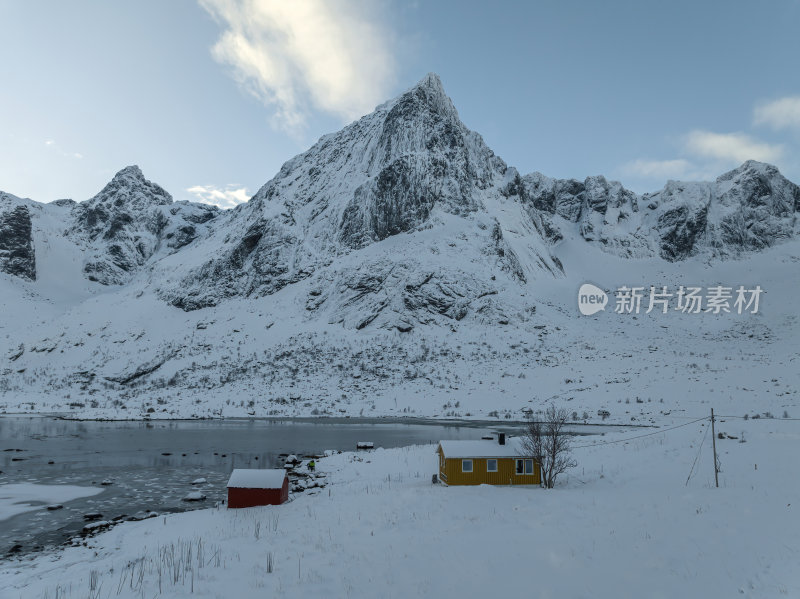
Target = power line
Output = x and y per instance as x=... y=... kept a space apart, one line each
x=767 y=418
x=699 y=451
x=682 y=425
x=756 y=417
x=658 y=432
x=714 y=445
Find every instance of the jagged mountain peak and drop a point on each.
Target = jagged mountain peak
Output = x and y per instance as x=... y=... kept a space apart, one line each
x=751 y=168
x=128 y=222
x=748 y=208
x=758 y=183
x=429 y=93
x=130 y=187
x=432 y=82
x=132 y=170
x=409 y=167
x=417 y=135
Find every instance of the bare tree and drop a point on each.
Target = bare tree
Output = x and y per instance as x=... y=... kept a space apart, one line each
x=547 y=441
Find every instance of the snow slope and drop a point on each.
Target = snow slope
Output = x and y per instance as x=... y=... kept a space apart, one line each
x=267 y=351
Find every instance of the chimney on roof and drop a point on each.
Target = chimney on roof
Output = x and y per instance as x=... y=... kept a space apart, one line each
x=501 y=438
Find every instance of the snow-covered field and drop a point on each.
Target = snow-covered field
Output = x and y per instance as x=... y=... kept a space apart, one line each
x=624 y=523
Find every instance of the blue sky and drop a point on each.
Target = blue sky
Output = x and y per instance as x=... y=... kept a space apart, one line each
x=210 y=97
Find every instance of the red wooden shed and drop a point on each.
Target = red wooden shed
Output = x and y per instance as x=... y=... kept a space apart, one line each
x=252 y=487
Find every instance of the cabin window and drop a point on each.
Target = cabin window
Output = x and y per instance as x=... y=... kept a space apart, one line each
x=466 y=465
x=491 y=465
x=524 y=467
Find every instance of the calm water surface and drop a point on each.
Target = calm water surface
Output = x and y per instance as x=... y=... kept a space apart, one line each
x=152 y=464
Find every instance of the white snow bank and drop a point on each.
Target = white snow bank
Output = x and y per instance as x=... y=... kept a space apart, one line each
x=251 y=478
x=480 y=448
x=21 y=497
x=194 y=496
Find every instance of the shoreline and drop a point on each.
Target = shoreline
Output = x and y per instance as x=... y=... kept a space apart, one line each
x=411 y=420
x=382 y=518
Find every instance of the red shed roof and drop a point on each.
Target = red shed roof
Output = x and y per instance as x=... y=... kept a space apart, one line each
x=250 y=478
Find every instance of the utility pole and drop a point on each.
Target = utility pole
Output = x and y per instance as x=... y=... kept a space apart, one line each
x=714 y=444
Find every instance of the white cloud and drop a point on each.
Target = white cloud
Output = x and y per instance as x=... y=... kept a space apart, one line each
x=50 y=143
x=657 y=169
x=731 y=147
x=228 y=197
x=783 y=113
x=703 y=155
x=305 y=54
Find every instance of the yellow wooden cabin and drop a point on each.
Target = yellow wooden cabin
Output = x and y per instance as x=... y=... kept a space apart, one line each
x=490 y=462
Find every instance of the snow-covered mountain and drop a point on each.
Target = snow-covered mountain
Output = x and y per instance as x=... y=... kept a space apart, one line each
x=383 y=218
x=749 y=208
x=130 y=222
x=396 y=266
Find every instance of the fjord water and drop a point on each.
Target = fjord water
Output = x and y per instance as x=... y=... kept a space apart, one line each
x=151 y=465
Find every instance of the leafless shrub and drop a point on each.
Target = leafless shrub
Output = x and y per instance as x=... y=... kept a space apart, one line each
x=550 y=444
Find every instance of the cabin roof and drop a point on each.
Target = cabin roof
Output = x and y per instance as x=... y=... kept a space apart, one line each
x=251 y=478
x=480 y=448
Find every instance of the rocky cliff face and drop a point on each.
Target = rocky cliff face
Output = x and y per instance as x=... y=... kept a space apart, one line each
x=120 y=226
x=748 y=208
x=129 y=224
x=423 y=158
x=17 y=256
x=408 y=167
x=602 y=211
x=125 y=224
x=755 y=207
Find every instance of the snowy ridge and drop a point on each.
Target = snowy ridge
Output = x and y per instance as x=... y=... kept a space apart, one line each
x=749 y=208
